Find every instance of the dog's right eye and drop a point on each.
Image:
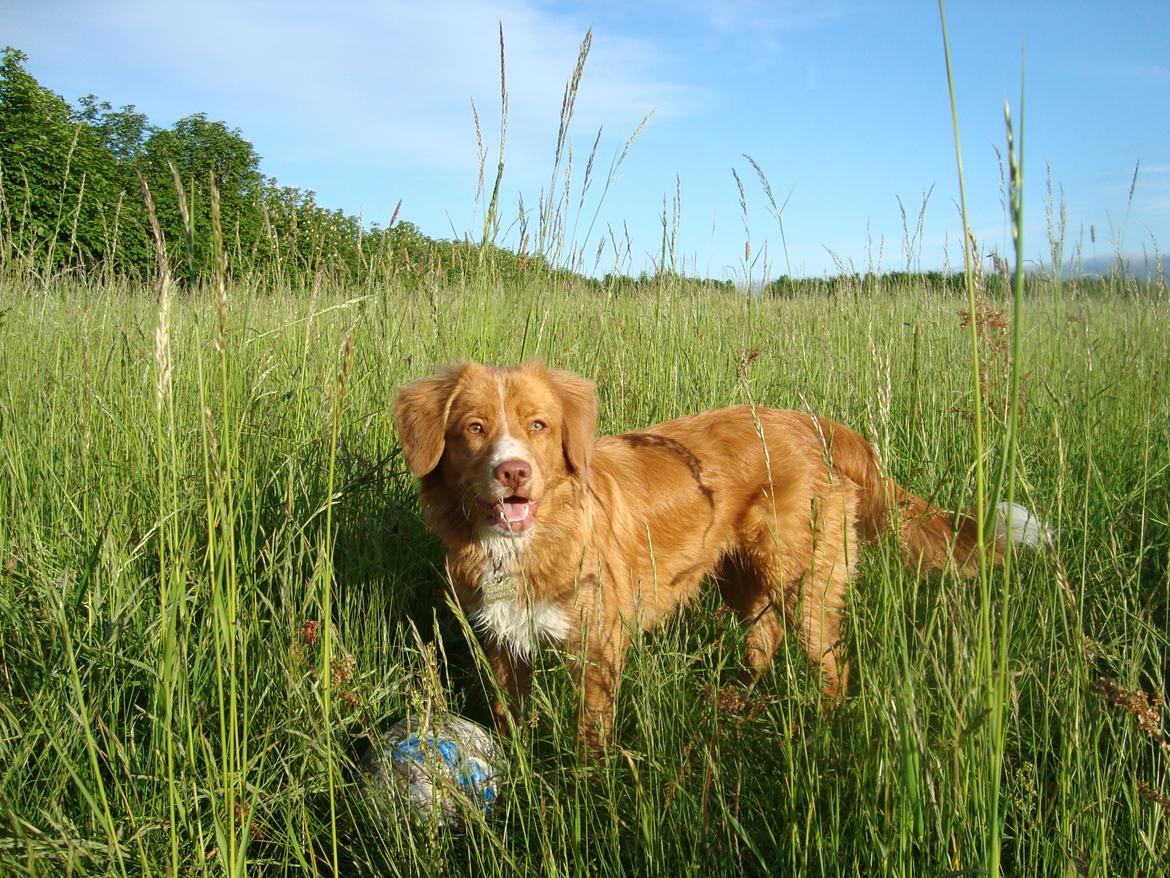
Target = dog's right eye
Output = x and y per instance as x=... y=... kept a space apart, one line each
x=475 y=427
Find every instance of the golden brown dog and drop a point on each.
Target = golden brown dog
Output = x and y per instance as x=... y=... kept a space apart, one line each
x=555 y=536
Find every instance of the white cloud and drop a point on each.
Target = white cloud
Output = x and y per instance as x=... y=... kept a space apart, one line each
x=1150 y=74
x=374 y=79
x=763 y=17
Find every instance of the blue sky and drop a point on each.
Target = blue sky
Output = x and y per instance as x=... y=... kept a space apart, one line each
x=842 y=104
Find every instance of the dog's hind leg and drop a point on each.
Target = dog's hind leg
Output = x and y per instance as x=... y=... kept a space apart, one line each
x=815 y=602
x=748 y=591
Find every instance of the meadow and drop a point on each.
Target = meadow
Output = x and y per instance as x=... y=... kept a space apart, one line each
x=216 y=588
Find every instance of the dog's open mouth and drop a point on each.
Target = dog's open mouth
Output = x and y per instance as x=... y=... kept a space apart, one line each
x=512 y=514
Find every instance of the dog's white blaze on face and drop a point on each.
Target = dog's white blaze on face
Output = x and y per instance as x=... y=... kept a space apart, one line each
x=508 y=447
x=514 y=516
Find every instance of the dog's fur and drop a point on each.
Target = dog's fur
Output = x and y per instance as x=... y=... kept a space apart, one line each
x=555 y=536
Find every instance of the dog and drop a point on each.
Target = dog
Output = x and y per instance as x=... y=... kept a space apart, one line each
x=556 y=537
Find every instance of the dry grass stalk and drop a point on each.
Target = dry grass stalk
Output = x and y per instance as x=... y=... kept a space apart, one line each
x=1145 y=707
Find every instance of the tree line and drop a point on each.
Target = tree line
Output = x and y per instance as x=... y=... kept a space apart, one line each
x=77 y=182
x=73 y=184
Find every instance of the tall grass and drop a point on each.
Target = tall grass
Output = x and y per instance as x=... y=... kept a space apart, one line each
x=207 y=603
x=993 y=633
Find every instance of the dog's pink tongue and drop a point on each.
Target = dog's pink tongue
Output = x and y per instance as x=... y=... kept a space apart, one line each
x=517 y=509
x=514 y=514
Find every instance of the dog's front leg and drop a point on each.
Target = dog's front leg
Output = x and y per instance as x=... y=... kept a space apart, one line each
x=513 y=680
x=600 y=666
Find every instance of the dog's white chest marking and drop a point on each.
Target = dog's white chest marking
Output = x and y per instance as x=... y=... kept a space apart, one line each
x=520 y=628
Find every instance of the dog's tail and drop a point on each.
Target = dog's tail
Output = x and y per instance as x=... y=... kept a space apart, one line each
x=931 y=539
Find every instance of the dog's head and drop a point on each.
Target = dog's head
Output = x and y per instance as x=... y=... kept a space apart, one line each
x=498 y=439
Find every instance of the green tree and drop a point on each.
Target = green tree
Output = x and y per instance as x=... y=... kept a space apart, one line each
x=123 y=134
x=57 y=180
x=202 y=151
x=71 y=199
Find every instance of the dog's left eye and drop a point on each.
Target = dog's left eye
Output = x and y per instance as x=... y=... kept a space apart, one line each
x=537 y=426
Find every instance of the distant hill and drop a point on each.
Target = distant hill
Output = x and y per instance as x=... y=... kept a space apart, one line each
x=1136 y=265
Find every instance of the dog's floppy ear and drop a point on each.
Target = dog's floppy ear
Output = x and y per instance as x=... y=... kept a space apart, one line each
x=421 y=411
x=579 y=405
